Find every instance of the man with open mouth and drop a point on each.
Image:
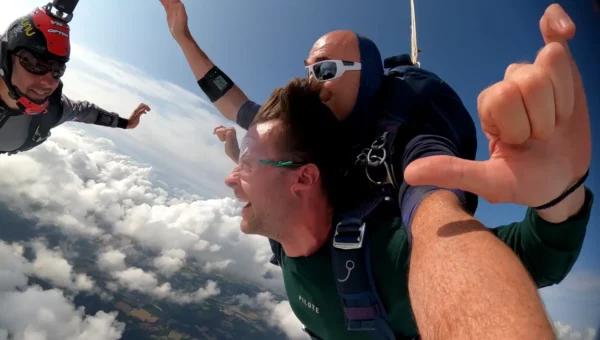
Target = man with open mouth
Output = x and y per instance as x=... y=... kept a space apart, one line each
x=388 y=248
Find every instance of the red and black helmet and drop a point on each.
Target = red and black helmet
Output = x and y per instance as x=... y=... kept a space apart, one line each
x=42 y=34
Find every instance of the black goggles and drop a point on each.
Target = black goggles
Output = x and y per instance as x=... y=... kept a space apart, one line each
x=39 y=66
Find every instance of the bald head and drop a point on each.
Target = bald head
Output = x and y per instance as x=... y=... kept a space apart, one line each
x=341 y=44
x=338 y=94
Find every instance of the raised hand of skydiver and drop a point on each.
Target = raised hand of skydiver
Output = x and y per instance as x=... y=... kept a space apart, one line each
x=229 y=136
x=134 y=119
x=176 y=18
x=538 y=128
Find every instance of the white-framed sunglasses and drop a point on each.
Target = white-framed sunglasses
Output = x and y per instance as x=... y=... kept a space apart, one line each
x=331 y=69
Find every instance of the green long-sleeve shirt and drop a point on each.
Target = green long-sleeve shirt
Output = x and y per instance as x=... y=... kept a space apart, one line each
x=547 y=250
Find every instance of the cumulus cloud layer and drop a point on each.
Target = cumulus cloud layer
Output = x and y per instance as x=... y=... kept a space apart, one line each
x=276 y=313
x=29 y=312
x=95 y=193
x=81 y=185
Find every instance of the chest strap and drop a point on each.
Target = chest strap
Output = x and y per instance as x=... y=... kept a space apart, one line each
x=350 y=250
x=351 y=261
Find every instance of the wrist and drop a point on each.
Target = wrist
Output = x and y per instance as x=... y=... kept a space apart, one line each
x=565 y=209
x=184 y=38
x=122 y=123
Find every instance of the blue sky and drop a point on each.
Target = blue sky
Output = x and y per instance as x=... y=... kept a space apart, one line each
x=261 y=44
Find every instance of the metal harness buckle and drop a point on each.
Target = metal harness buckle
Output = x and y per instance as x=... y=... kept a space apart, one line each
x=359 y=232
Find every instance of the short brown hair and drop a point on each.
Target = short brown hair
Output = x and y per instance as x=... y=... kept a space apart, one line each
x=310 y=131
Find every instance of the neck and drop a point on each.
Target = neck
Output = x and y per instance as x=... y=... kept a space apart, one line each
x=5 y=97
x=310 y=232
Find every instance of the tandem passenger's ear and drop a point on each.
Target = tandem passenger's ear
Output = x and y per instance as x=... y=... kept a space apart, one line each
x=307 y=177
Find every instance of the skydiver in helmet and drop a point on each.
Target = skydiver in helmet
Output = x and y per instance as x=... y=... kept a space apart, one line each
x=34 y=52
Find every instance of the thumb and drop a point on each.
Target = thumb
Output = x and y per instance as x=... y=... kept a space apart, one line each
x=557 y=26
x=452 y=173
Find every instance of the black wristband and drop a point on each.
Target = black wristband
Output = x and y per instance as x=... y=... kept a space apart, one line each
x=122 y=123
x=105 y=118
x=215 y=84
x=564 y=194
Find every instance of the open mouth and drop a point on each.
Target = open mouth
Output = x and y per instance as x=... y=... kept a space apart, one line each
x=248 y=205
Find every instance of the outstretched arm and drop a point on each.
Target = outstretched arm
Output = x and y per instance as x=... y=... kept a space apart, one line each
x=233 y=103
x=86 y=112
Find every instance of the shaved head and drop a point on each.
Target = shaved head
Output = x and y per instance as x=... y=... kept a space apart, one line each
x=339 y=94
x=341 y=44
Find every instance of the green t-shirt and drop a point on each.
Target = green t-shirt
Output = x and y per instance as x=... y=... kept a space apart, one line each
x=547 y=250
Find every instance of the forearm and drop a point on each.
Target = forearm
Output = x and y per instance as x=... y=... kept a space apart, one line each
x=89 y=113
x=464 y=283
x=230 y=103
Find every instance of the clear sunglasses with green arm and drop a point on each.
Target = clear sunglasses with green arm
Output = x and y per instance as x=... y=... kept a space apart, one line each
x=281 y=164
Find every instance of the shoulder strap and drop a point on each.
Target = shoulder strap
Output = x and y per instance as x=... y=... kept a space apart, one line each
x=350 y=251
x=363 y=309
x=350 y=255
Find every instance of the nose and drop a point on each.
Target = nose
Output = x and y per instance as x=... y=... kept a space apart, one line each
x=233 y=179
x=47 y=80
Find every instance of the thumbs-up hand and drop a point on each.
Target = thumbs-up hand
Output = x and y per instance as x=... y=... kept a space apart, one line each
x=537 y=124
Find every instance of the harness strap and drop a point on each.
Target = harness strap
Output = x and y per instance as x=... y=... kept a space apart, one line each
x=351 y=262
x=350 y=250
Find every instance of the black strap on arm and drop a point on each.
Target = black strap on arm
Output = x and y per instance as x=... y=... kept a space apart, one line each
x=215 y=84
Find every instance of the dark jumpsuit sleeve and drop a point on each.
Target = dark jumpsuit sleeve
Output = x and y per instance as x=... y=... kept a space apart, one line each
x=86 y=112
x=547 y=250
x=443 y=126
x=246 y=114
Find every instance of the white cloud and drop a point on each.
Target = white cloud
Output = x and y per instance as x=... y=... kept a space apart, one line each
x=216 y=266
x=51 y=265
x=33 y=313
x=116 y=203
x=47 y=314
x=119 y=199
x=566 y=332
x=170 y=261
x=137 y=279
x=276 y=313
x=111 y=260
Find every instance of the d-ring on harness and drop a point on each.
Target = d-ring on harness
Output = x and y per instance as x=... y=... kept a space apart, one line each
x=374 y=157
